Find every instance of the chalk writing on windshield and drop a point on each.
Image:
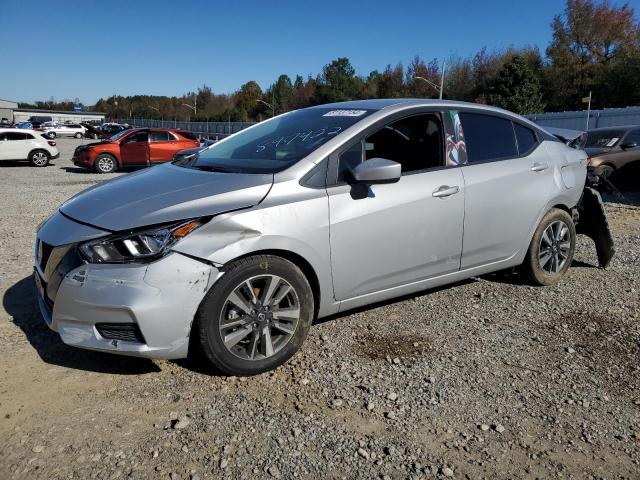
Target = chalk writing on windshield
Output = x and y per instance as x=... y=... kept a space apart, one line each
x=298 y=137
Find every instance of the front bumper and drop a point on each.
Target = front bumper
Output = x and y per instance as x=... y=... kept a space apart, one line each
x=159 y=300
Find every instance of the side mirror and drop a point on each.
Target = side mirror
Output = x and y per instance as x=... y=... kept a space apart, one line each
x=377 y=170
x=628 y=145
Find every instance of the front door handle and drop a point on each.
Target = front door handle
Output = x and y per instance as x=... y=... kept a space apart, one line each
x=445 y=191
x=539 y=167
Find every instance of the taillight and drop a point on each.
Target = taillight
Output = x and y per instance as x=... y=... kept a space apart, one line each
x=51 y=142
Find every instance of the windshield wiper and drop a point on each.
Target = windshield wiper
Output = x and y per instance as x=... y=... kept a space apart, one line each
x=214 y=168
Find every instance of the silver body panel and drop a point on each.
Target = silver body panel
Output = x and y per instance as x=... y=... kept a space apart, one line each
x=399 y=238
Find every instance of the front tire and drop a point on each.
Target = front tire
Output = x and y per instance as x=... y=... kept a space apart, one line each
x=51 y=134
x=39 y=158
x=256 y=317
x=551 y=250
x=78 y=135
x=106 y=163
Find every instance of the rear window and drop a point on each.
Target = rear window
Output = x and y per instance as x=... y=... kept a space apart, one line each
x=189 y=135
x=526 y=138
x=487 y=137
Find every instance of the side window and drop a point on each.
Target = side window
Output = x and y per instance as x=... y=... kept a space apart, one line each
x=487 y=137
x=348 y=160
x=414 y=142
x=28 y=136
x=159 y=136
x=137 y=137
x=16 y=136
x=633 y=136
x=525 y=137
x=455 y=142
x=3 y=137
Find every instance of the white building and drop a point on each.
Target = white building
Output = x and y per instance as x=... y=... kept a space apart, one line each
x=12 y=113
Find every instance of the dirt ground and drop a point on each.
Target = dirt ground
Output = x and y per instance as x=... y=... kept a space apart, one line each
x=488 y=378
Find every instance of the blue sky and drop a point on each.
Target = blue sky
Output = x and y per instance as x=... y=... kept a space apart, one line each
x=95 y=49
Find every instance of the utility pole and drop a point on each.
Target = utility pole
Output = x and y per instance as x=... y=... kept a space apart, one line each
x=444 y=65
x=587 y=100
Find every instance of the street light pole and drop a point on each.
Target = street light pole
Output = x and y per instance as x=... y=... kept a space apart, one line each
x=437 y=88
x=268 y=105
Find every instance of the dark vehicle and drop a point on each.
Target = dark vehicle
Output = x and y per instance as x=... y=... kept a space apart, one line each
x=612 y=148
x=112 y=128
x=93 y=132
x=190 y=153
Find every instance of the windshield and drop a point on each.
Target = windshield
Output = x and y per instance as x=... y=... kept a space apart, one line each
x=276 y=144
x=119 y=135
x=603 y=139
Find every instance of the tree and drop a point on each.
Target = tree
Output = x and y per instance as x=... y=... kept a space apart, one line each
x=516 y=87
x=420 y=88
x=587 y=37
x=338 y=82
x=282 y=91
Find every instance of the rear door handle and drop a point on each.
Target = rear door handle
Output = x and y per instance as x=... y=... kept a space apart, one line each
x=445 y=191
x=539 y=167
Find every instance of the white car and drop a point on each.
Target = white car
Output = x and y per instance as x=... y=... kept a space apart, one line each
x=67 y=130
x=21 y=144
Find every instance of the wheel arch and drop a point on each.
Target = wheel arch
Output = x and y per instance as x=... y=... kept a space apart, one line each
x=300 y=262
x=38 y=149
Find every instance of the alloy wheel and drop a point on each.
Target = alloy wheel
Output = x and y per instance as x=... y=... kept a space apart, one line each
x=105 y=164
x=39 y=159
x=259 y=317
x=555 y=245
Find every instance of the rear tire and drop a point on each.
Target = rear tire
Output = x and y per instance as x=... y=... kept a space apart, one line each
x=51 y=134
x=551 y=250
x=106 y=163
x=255 y=318
x=39 y=158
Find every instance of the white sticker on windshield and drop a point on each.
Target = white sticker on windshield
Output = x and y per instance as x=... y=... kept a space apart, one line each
x=612 y=142
x=345 y=113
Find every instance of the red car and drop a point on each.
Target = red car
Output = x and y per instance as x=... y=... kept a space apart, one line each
x=138 y=147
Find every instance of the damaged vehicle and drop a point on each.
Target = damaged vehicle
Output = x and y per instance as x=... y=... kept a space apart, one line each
x=229 y=255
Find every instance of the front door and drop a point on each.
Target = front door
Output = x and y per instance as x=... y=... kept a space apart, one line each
x=134 y=149
x=387 y=235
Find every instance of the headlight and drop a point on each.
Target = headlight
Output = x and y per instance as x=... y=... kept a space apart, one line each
x=143 y=245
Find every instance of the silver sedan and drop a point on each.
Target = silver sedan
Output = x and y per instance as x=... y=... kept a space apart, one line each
x=232 y=253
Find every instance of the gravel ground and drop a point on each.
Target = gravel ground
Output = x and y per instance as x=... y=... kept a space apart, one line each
x=487 y=378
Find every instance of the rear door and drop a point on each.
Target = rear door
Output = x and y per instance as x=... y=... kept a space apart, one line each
x=507 y=186
x=134 y=149
x=162 y=146
x=388 y=235
x=17 y=145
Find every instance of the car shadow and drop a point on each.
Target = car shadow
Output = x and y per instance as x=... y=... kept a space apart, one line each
x=21 y=303
x=22 y=163
x=392 y=301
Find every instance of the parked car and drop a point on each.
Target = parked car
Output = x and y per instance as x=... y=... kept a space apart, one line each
x=64 y=130
x=92 y=131
x=27 y=145
x=113 y=128
x=183 y=155
x=133 y=148
x=233 y=253
x=612 y=148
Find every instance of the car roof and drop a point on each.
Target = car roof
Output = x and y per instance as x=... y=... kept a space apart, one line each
x=399 y=103
x=21 y=130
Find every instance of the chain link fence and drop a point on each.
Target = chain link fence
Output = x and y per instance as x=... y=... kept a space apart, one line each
x=214 y=130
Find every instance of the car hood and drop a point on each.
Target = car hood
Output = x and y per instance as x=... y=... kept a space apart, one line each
x=165 y=193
